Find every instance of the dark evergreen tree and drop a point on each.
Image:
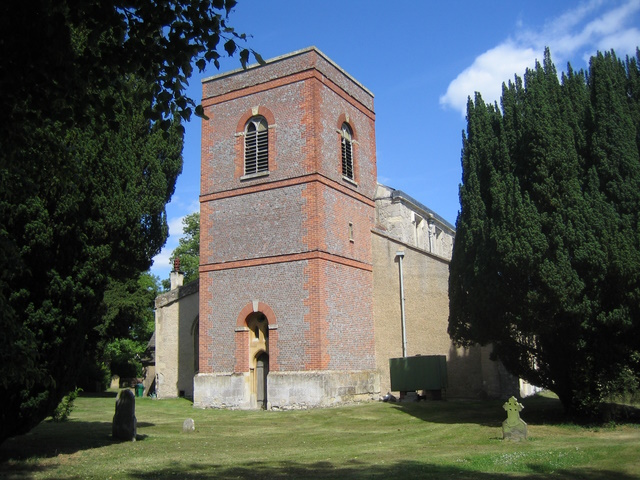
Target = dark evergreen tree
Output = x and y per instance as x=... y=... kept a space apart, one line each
x=90 y=146
x=546 y=263
x=81 y=207
x=76 y=48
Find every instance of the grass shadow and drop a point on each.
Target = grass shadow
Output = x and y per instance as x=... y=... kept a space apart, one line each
x=544 y=409
x=486 y=413
x=51 y=439
x=539 y=409
x=354 y=470
x=20 y=471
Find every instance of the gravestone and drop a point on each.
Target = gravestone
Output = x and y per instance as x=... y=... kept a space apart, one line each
x=188 y=426
x=513 y=428
x=125 y=424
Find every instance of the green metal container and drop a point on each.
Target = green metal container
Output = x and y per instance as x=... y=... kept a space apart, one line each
x=139 y=390
x=409 y=374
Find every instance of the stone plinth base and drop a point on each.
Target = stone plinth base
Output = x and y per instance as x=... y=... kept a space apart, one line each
x=287 y=389
x=221 y=390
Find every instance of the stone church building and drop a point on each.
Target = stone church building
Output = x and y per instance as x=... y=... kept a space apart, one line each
x=312 y=274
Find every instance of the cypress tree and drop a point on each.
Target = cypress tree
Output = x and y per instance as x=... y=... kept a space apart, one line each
x=555 y=194
x=478 y=145
x=82 y=206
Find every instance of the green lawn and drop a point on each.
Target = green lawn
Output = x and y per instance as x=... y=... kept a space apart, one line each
x=449 y=439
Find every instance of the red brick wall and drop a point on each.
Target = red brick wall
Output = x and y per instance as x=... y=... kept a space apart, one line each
x=278 y=287
x=283 y=239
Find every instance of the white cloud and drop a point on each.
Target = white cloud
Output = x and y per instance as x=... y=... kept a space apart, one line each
x=175 y=227
x=487 y=73
x=611 y=29
x=161 y=262
x=194 y=206
x=577 y=33
x=624 y=43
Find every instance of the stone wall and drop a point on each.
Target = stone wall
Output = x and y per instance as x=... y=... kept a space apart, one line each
x=425 y=265
x=402 y=217
x=287 y=390
x=426 y=303
x=176 y=331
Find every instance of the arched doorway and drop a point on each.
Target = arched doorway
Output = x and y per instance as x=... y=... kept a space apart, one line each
x=262 y=371
x=259 y=351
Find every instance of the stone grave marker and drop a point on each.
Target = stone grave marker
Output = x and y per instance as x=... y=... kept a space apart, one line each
x=188 y=426
x=125 y=424
x=513 y=428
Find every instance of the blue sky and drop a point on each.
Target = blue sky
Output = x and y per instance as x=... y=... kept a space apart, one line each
x=421 y=59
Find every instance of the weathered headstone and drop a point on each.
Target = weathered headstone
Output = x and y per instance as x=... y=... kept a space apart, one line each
x=125 y=424
x=513 y=428
x=188 y=426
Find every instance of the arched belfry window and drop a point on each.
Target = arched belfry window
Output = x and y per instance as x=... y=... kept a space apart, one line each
x=347 y=151
x=256 y=146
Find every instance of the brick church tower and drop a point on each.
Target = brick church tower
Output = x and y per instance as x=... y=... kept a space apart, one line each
x=286 y=205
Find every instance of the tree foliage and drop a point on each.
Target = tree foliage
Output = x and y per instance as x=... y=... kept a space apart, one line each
x=127 y=325
x=91 y=142
x=546 y=263
x=81 y=208
x=188 y=249
x=75 y=49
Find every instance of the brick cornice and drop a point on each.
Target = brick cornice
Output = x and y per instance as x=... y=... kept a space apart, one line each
x=313 y=177
x=310 y=73
x=293 y=257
